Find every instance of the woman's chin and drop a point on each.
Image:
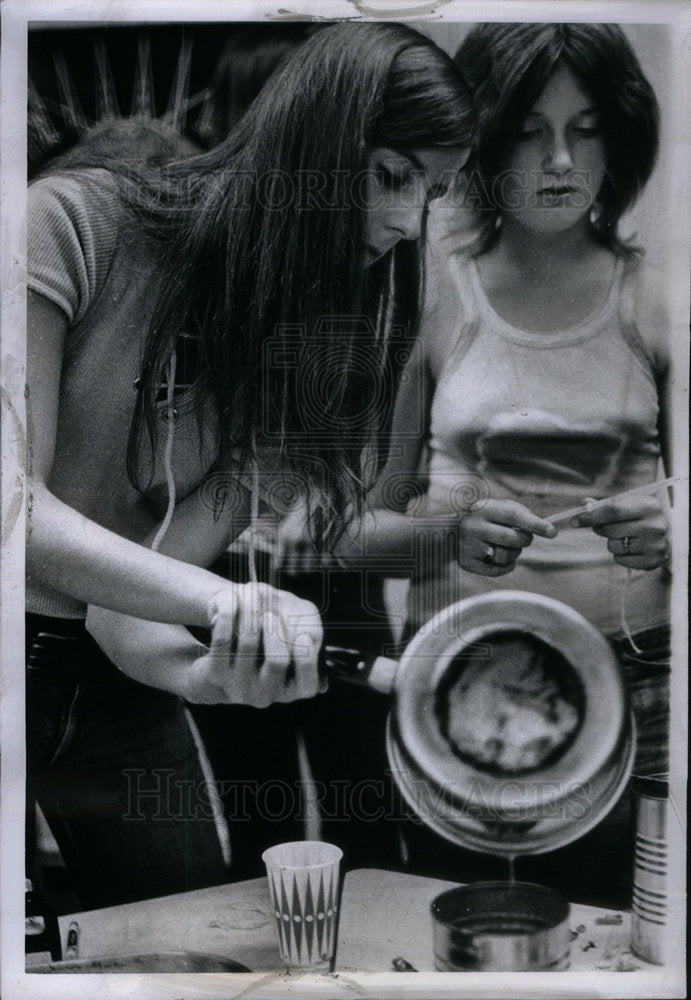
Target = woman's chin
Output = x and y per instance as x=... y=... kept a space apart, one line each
x=372 y=255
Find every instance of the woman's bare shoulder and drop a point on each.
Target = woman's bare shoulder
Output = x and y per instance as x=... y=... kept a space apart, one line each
x=654 y=308
x=446 y=306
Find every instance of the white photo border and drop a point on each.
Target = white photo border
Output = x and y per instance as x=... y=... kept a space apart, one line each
x=16 y=16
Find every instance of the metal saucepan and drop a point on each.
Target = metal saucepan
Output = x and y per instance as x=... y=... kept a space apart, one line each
x=529 y=812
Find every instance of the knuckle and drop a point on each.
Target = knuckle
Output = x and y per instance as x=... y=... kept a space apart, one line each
x=224 y=607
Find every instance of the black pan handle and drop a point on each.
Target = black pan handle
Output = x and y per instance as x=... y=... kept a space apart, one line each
x=356 y=667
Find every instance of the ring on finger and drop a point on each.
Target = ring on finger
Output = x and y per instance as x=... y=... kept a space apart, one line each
x=626 y=541
x=488 y=555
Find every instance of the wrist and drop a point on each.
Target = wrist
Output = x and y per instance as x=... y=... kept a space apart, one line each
x=441 y=534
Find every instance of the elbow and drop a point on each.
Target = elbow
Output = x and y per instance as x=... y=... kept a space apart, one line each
x=38 y=499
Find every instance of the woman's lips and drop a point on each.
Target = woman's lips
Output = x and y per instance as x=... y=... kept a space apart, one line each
x=564 y=196
x=557 y=192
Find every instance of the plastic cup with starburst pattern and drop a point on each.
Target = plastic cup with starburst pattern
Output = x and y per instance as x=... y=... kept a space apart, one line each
x=304 y=884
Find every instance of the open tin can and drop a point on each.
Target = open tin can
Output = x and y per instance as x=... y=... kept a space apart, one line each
x=501 y=927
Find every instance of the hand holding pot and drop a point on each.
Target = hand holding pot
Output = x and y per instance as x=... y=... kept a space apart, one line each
x=264 y=649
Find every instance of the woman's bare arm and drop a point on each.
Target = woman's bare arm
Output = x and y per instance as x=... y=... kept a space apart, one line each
x=75 y=555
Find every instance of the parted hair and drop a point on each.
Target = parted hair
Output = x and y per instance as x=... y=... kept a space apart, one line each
x=508 y=67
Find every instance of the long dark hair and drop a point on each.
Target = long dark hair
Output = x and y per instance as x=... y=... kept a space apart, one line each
x=263 y=242
x=509 y=65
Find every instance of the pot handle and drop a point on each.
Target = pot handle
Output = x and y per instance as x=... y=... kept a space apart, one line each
x=356 y=667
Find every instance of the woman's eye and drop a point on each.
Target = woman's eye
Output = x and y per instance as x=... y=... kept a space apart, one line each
x=587 y=131
x=394 y=178
x=528 y=132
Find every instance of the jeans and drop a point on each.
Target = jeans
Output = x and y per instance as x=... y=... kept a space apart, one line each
x=116 y=772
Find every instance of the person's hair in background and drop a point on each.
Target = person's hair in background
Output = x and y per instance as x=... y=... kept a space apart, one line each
x=299 y=258
x=250 y=56
x=508 y=67
x=115 y=143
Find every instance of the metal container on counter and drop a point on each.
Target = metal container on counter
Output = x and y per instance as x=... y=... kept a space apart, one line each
x=501 y=927
x=649 y=932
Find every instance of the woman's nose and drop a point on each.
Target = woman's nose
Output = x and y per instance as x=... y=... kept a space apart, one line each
x=558 y=157
x=409 y=223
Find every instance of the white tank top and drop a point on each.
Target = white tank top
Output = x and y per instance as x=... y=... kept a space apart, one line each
x=547 y=419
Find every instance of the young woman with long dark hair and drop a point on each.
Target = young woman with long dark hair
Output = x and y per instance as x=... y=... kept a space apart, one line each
x=189 y=343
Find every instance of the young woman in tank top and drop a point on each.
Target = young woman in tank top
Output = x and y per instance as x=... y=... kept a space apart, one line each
x=542 y=371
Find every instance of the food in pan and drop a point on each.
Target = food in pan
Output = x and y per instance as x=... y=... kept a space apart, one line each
x=510 y=704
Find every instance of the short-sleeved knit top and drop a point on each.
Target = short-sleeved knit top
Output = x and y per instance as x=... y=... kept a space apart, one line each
x=87 y=256
x=547 y=419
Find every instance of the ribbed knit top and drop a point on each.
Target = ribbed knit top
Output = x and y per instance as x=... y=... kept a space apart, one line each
x=88 y=257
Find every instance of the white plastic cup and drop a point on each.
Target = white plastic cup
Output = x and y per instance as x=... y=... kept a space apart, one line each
x=304 y=885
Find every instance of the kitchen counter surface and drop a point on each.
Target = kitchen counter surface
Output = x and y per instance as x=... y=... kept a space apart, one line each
x=384 y=915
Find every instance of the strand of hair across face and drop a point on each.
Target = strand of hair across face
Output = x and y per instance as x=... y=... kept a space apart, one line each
x=168 y=455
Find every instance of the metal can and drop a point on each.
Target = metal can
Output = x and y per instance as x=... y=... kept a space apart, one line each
x=650 y=910
x=501 y=927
